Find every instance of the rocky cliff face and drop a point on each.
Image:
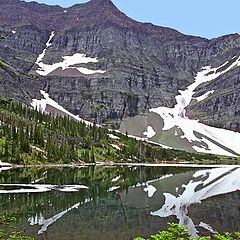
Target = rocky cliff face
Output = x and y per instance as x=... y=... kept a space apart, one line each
x=137 y=66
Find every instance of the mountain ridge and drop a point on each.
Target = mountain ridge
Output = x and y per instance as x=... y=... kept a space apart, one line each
x=103 y=4
x=106 y=67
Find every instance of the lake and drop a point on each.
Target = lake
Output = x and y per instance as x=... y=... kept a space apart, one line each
x=120 y=202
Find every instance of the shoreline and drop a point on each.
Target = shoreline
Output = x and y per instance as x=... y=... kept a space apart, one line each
x=113 y=164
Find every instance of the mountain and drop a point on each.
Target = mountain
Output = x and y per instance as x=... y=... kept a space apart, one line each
x=110 y=69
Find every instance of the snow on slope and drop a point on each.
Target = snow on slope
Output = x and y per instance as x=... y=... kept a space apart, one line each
x=175 y=117
x=68 y=61
x=48 y=44
x=205 y=95
x=203 y=185
x=40 y=105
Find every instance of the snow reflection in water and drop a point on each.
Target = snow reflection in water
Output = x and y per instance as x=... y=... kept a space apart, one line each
x=45 y=223
x=121 y=196
x=40 y=188
x=205 y=184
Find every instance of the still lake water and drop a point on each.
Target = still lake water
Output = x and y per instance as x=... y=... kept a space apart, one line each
x=120 y=202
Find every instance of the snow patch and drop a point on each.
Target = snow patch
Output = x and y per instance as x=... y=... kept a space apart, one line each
x=113 y=137
x=150 y=132
x=67 y=63
x=37 y=148
x=207 y=227
x=212 y=148
x=176 y=116
x=204 y=96
x=40 y=105
x=111 y=189
x=116 y=147
x=116 y=178
x=48 y=44
x=166 y=176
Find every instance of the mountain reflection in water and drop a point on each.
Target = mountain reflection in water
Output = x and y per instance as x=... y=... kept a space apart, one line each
x=120 y=202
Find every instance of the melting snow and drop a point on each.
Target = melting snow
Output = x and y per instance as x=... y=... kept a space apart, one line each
x=113 y=137
x=166 y=176
x=116 y=179
x=150 y=132
x=211 y=148
x=116 y=147
x=40 y=105
x=207 y=227
x=204 y=96
x=48 y=44
x=67 y=63
x=176 y=117
x=111 y=189
x=37 y=148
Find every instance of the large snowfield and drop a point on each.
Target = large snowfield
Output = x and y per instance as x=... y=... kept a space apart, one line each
x=216 y=140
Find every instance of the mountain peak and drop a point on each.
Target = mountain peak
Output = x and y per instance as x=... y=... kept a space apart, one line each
x=96 y=5
x=101 y=1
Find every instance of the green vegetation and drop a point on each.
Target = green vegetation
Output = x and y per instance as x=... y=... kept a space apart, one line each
x=8 y=230
x=178 y=232
x=31 y=137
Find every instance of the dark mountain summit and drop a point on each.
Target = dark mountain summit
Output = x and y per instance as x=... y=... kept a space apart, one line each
x=133 y=67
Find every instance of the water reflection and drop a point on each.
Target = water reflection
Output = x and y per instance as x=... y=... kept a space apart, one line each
x=203 y=185
x=115 y=202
